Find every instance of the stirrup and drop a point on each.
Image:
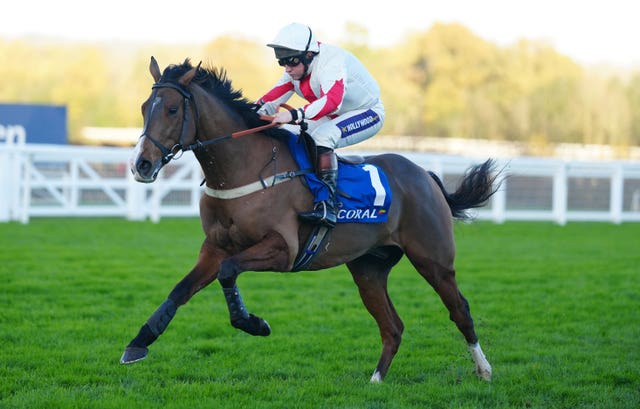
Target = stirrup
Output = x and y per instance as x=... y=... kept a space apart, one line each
x=320 y=215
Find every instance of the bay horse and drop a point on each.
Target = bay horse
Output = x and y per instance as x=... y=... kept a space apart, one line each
x=196 y=108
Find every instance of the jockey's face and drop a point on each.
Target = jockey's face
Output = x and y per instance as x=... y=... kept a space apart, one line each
x=296 y=72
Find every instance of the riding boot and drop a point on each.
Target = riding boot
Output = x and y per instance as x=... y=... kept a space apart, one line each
x=324 y=212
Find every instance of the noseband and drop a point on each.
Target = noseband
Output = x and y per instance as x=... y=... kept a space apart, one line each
x=168 y=154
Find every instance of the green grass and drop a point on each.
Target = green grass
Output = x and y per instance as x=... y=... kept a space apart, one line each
x=557 y=310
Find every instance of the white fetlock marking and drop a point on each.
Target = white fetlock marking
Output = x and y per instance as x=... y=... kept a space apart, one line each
x=483 y=368
x=376 y=378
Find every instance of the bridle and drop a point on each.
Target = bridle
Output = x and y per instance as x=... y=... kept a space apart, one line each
x=168 y=154
x=176 y=150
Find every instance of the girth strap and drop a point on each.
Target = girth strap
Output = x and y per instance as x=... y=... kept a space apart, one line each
x=314 y=243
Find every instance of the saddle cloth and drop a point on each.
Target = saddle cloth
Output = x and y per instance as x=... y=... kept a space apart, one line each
x=363 y=196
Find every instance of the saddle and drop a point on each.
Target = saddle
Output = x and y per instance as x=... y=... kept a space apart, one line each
x=363 y=192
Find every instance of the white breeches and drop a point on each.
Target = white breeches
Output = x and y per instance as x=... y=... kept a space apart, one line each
x=347 y=129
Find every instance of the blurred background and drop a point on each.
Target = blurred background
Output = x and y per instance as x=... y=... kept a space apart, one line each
x=461 y=81
x=535 y=73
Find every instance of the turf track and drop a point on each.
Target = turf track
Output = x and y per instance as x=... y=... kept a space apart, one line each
x=557 y=310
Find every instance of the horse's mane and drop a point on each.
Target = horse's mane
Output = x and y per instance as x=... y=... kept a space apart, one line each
x=215 y=81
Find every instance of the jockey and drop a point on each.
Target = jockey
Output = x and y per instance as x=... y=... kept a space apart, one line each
x=344 y=105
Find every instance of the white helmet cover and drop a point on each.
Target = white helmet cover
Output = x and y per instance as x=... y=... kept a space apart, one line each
x=295 y=37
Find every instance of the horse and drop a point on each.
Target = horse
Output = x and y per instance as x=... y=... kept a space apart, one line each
x=256 y=227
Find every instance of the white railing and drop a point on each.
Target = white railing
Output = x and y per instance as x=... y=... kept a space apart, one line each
x=70 y=181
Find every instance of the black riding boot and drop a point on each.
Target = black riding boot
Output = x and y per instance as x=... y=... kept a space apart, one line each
x=325 y=211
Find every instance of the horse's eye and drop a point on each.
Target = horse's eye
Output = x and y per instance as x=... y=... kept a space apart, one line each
x=173 y=110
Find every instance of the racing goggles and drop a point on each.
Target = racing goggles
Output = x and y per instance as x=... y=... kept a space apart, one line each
x=290 y=61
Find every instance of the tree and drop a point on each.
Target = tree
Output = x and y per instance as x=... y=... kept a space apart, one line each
x=633 y=96
x=443 y=82
x=251 y=67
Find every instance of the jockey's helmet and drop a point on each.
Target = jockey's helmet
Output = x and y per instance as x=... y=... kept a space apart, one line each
x=293 y=40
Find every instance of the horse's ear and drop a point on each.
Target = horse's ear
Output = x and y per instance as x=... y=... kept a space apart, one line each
x=154 y=69
x=188 y=76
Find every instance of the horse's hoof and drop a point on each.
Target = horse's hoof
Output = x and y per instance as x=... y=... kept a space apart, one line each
x=376 y=377
x=484 y=374
x=252 y=325
x=133 y=354
x=483 y=367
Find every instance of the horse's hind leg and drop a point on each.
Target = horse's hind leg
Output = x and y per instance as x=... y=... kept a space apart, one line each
x=370 y=273
x=443 y=280
x=200 y=276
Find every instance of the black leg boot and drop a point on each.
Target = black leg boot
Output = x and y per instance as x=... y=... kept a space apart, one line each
x=325 y=211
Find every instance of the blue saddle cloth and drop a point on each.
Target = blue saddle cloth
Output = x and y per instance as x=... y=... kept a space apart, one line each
x=364 y=195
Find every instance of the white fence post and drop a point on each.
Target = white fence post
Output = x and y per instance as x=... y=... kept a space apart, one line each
x=156 y=200
x=23 y=201
x=499 y=202
x=135 y=198
x=616 y=194
x=560 y=195
x=71 y=192
x=11 y=172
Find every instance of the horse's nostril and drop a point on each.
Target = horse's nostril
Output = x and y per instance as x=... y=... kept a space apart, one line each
x=143 y=166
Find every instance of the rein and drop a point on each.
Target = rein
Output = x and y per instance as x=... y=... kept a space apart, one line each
x=176 y=150
x=199 y=144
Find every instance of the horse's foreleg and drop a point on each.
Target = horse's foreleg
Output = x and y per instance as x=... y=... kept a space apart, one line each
x=270 y=254
x=202 y=274
x=156 y=324
x=239 y=316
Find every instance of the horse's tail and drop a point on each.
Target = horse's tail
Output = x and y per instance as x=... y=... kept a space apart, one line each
x=475 y=189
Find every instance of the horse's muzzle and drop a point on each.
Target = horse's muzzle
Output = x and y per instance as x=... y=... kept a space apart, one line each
x=143 y=169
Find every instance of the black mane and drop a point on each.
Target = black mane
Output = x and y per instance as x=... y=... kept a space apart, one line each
x=215 y=81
